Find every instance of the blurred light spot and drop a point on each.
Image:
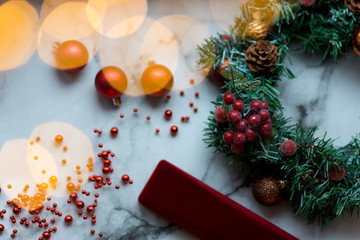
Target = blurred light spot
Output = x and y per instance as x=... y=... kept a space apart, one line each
x=68 y=21
x=225 y=11
x=188 y=33
x=79 y=150
x=19 y=25
x=119 y=18
x=151 y=43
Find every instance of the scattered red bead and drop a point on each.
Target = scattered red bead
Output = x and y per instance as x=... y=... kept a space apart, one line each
x=125 y=178
x=135 y=109
x=114 y=131
x=157 y=130
x=197 y=94
x=95 y=130
x=168 y=114
x=195 y=109
x=181 y=93
x=174 y=130
x=191 y=104
x=147 y=117
x=121 y=115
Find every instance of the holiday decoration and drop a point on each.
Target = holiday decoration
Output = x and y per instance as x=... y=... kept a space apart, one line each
x=267 y=191
x=356 y=41
x=307 y=3
x=353 y=5
x=216 y=73
x=319 y=180
x=181 y=198
x=262 y=56
x=257 y=30
x=111 y=82
x=157 y=80
x=71 y=56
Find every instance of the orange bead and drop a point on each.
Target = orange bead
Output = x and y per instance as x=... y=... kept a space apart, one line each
x=37 y=138
x=53 y=180
x=64 y=161
x=44 y=186
x=65 y=148
x=31 y=142
x=9 y=186
x=68 y=178
x=77 y=167
x=77 y=188
x=25 y=198
x=78 y=172
x=80 y=180
x=27 y=186
x=59 y=139
x=36 y=157
x=70 y=187
x=157 y=80
x=43 y=171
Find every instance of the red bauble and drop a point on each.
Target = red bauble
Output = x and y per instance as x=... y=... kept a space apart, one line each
x=114 y=131
x=174 y=130
x=2 y=228
x=229 y=98
x=216 y=73
x=80 y=204
x=234 y=117
x=46 y=235
x=168 y=114
x=228 y=137
x=288 y=148
x=256 y=105
x=242 y=125
x=111 y=82
x=71 y=56
x=68 y=219
x=125 y=178
x=337 y=174
x=220 y=114
x=307 y=3
x=250 y=135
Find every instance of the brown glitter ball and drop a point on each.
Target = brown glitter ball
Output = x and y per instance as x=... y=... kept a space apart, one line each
x=267 y=191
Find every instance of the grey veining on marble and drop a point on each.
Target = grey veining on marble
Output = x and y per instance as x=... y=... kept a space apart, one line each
x=325 y=94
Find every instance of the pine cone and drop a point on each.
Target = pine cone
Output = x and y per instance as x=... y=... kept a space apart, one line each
x=262 y=56
x=353 y=5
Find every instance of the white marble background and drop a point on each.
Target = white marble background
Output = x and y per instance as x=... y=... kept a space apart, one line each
x=324 y=93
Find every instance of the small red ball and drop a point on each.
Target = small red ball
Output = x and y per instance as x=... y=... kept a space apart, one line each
x=114 y=131
x=105 y=170
x=46 y=235
x=288 y=148
x=220 y=114
x=337 y=173
x=238 y=105
x=239 y=138
x=80 y=204
x=157 y=130
x=234 y=117
x=92 y=231
x=228 y=137
x=242 y=125
x=250 y=135
x=168 y=114
x=174 y=130
x=264 y=105
x=68 y=219
x=147 y=117
x=266 y=131
x=256 y=105
x=90 y=209
x=125 y=178
x=264 y=115
x=237 y=148
x=2 y=228
x=254 y=120
x=229 y=98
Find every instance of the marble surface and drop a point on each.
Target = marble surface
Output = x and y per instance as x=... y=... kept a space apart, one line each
x=35 y=93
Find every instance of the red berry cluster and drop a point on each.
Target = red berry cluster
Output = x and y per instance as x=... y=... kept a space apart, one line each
x=247 y=126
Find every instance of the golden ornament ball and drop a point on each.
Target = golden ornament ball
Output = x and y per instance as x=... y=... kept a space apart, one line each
x=355 y=39
x=257 y=30
x=71 y=55
x=157 y=80
x=267 y=191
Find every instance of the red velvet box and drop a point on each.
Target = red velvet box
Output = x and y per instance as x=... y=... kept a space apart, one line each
x=201 y=210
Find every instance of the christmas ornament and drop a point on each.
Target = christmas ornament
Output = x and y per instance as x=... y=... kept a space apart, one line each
x=267 y=191
x=157 y=80
x=307 y=3
x=262 y=57
x=288 y=148
x=111 y=82
x=71 y=56
x=337 y=173
x=257 y=29
x=229 y=98
x=68 y=219
x=355 y=39
x=353 y=5
x=216 y=73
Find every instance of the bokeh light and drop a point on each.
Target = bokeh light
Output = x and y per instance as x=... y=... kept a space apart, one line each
x=68 y=21
x=119 y=18
x=19 y=25
x=188 y=34
x=225 y=11
x=151 y=43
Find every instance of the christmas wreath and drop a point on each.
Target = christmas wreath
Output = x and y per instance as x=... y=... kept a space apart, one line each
x=319 y=179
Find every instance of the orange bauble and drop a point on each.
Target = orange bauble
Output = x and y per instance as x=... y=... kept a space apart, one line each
x=157 y=80
x=71 y=56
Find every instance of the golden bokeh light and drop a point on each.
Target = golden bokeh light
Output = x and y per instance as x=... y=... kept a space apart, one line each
x=225 y=11
x=67 y=21
x=151 y=43
x=119 y=18
x=188 y=34
x=19 y=26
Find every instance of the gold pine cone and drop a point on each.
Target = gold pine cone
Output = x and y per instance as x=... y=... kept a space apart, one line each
x=257 y=30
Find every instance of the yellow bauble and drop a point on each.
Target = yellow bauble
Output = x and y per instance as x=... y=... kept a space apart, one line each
x=257 y=30
x=157 y=80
